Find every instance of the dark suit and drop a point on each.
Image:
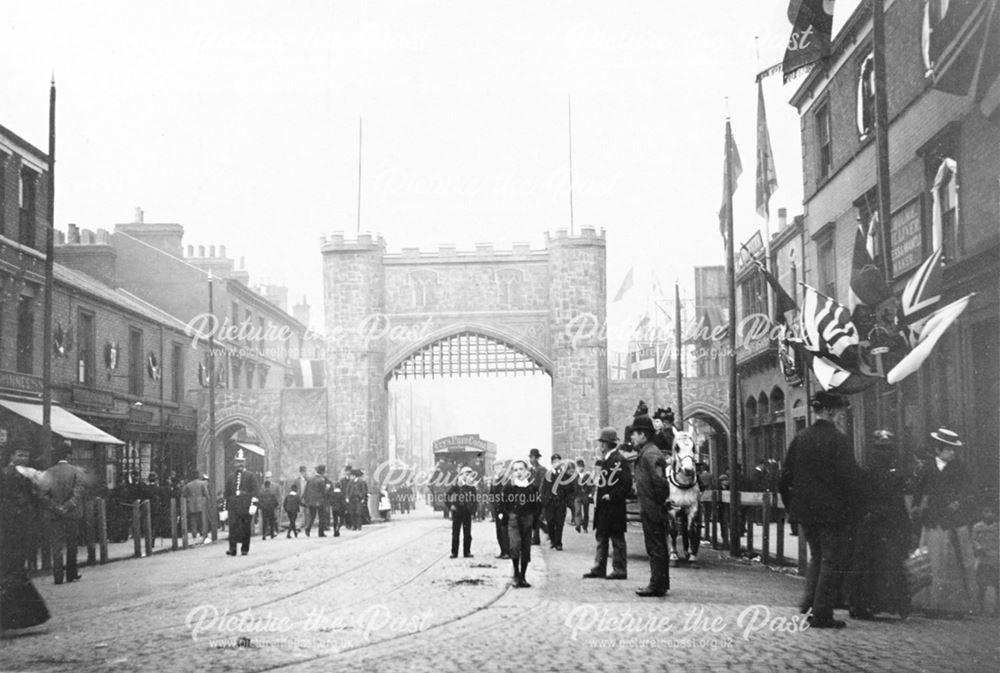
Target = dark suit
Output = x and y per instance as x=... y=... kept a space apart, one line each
x=537 y=480
x=315 y=499
x=62 y=488
x=821 y=486
x=653 y=489
x=242 y=490
x=610 y=518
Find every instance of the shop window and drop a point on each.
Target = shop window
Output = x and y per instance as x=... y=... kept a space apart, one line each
x=25 y=335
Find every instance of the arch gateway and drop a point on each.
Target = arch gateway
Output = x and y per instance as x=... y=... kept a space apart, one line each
x=470 y=313
x=445 y=313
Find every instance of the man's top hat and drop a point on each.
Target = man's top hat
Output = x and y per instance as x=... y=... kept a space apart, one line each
x=946 y=436
x=825 y=400
x=534 y=453
x=609 y=436
x=643 y=424
x=641 y=409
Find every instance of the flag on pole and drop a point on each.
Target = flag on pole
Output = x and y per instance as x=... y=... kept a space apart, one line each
x=935 y=326
x=733 y=169
x=959 y=44
x=827 y=328
x=626 y=284
x=812 y=25
x=767 y=178
x=924 y=287
x=783 y=302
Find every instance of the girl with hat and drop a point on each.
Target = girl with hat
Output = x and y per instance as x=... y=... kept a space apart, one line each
x=944 y=491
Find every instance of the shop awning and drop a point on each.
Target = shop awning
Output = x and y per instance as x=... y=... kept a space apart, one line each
x=252 y=448
x=63 y=422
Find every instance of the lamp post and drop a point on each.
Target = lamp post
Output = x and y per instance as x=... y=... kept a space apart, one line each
x=211 y=387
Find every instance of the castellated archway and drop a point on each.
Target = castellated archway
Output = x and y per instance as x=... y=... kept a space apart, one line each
x=450 y=312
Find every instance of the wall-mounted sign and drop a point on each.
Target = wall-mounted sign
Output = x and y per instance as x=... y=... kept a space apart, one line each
x=906 y=238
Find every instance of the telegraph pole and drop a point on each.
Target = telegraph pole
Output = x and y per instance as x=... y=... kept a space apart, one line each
x=46 y=433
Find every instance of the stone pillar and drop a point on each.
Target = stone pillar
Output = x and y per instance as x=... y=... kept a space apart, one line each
x=354 y=299
x=577 y=316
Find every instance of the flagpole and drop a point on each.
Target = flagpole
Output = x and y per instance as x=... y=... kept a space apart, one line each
x=46 y=434
x=677 y=341
x=734 y=540
x=569 y=104
x=359 y=174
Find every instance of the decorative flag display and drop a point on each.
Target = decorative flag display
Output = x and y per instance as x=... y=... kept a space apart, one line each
x=812 y=24
x=767 y=178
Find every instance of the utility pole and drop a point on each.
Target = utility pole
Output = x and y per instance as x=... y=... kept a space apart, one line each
x=46 y=432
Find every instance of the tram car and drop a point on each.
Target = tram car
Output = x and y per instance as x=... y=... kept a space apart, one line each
x=453 y=453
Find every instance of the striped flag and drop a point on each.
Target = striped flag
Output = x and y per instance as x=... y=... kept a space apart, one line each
x=921 y=293
x=311 y=373
x=932 y=330
x=827 y=328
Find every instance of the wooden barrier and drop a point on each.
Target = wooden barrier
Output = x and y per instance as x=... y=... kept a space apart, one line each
x=184 y=521
x=147 y=520
x=756 y=509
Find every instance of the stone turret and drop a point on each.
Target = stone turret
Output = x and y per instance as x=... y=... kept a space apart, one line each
x=577 y=317
x=354 y=278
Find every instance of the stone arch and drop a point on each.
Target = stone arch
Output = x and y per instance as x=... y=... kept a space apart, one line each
x=225 y=420
x=513 y=341
x=711 y=413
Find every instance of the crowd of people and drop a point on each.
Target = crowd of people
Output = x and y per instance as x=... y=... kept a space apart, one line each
x=881 y=539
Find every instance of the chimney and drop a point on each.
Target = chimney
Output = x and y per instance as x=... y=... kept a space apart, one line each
x=211 y=251
x=138 y=215
x=190 y=251
x=782 y=218
x=167 y=237
x=89 y=253
x=201 y=251
x=222 y=251
x=243 y=265
x=301 y=312
x=73 y=234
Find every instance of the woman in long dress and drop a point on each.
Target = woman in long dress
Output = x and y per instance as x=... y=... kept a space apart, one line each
x=945 y=495
x=21 y=605
x=877 y=581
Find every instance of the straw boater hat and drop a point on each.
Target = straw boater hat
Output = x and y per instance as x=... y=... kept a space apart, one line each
x=946 y=436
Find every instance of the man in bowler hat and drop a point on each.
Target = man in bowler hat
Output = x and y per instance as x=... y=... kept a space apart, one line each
x=821 y=486
x=614 y=484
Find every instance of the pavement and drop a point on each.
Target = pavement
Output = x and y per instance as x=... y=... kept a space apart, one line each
x=388 y=598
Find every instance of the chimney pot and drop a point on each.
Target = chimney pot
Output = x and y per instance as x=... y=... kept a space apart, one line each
x=190 y=251
x=73 y=234
x=242 y=262
x=782 y=218
x=138 y=215
x=222 y=251
x=201 y=251
x=211 y=251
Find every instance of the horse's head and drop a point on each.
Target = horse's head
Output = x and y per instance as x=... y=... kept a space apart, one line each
x=685 y=457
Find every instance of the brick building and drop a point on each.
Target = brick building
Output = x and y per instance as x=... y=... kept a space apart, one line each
x=258 y=345
x=944 y=157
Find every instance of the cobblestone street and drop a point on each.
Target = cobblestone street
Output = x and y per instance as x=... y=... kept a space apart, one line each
x=390 y=599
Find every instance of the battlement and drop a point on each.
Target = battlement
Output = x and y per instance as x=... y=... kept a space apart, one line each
x=586 y=235
x=336 y=242
x=483 y=252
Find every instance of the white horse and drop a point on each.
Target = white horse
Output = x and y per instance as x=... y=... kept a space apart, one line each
x=685 y=498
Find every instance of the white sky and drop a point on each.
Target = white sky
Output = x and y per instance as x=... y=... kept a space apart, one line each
x=239 y=120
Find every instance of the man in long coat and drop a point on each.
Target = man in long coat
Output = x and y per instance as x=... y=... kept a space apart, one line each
x=653 y=490
x=196 y=494
x=62 y=490
x=821 y=487
x=316 y=500
x=610 y=518
x=242 y=491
